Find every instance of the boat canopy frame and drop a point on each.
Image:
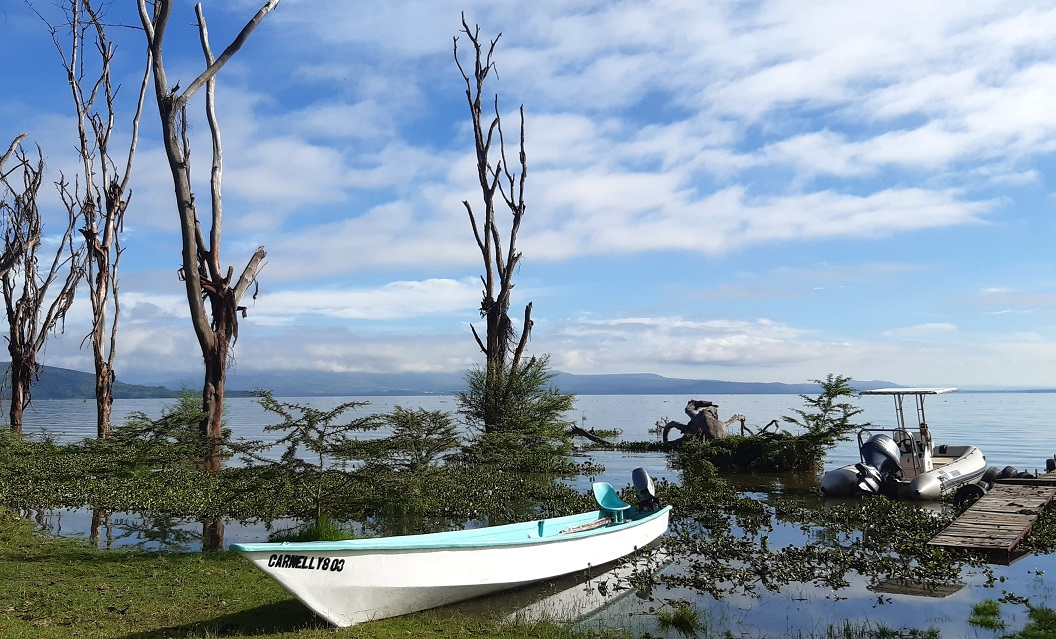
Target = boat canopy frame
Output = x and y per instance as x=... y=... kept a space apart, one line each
x=900 y=393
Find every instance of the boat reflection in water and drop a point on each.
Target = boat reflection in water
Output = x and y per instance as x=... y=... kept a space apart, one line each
x=571 y=598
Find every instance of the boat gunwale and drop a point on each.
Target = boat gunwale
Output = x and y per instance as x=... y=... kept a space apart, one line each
x=457 y=539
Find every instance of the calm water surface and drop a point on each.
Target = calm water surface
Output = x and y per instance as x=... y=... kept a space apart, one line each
x=1012 y=429
x=1017 y=429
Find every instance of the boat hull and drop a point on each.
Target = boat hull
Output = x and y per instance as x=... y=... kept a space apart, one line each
x=941 y=482
x=354 y=581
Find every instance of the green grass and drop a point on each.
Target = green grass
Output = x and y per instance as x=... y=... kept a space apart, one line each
x=866 y=630
x=55 y=588
x=324 y=529
x=681 y=617
x=987 y=614
x=1042 y=624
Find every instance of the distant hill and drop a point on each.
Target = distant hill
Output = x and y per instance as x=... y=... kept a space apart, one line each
x=651 y=384
x=61 y=383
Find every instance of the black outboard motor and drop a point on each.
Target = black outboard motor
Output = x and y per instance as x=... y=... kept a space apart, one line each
x=646 y=490
x=880 y=458
x=869 y=479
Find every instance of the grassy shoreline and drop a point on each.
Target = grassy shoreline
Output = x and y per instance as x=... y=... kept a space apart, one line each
x=65 y=588
x=58 y=588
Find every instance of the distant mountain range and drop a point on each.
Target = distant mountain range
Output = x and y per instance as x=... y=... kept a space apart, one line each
x=61 y=383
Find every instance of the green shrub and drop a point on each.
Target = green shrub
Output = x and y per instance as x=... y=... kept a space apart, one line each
x=517 y=418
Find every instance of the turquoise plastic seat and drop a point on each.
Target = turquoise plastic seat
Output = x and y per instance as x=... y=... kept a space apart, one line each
x=609 y=500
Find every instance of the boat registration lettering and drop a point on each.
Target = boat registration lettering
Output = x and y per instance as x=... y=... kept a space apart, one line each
x=306 y=562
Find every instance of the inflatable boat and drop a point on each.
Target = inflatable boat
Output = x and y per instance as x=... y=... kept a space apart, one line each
x=903 y=462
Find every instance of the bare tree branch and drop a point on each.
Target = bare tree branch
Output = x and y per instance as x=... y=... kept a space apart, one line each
x=236 y=44
x=100 y=202
x=10 y=151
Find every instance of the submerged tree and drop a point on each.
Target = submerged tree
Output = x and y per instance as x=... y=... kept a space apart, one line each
x=100 y=200
x=213 y=296
x=510 y=400
x=826 y=420
x=497 y=181
x=36 y=299
x=420 y=439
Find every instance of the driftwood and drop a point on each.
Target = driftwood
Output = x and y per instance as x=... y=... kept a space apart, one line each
x=704 y=422
x=773 y=427
x=577 y=431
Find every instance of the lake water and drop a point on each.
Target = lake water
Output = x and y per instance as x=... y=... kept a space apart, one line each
x=1017 y=429
x=1012 y=429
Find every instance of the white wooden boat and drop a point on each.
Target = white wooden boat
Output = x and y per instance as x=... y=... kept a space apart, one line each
x=904 y=462
x=356 y=580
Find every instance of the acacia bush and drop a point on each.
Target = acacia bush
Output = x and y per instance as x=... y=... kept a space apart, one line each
x=420 y=439
x=517 y=418
x=143 y=444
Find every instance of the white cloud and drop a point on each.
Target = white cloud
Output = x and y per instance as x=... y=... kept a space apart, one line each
x=928 y=332
x=674 y=343
x=396 y=300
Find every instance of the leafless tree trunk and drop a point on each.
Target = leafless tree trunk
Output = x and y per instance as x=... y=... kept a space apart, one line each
x=495 y=177
x=100 y=202
x=27 y=289
x=213 y=300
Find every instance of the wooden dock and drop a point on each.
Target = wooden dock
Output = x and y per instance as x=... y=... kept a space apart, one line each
x=1001 y=518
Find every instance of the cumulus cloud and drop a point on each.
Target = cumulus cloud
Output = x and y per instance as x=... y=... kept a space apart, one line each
x=395 y=300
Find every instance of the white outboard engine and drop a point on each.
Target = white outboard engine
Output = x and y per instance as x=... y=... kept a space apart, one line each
x=645 y=489
x=880 y=457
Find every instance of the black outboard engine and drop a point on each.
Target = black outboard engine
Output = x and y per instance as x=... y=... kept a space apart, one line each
x=880 y=458
x=646 y=490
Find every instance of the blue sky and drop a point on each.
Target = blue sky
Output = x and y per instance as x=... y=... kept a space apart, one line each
x=750 y=191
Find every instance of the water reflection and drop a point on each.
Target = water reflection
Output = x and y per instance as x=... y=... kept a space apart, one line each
x=136 y=531
x=579 y=597
x=916 y=588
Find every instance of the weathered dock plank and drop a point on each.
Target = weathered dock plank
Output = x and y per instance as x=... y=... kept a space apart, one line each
x=1044 y=480
x=999 y=520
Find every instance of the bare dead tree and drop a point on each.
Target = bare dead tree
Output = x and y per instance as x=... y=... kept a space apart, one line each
x=34 y=309
x=101 y=200
x=14 y=244
x=496 y=177
x=213 y=298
